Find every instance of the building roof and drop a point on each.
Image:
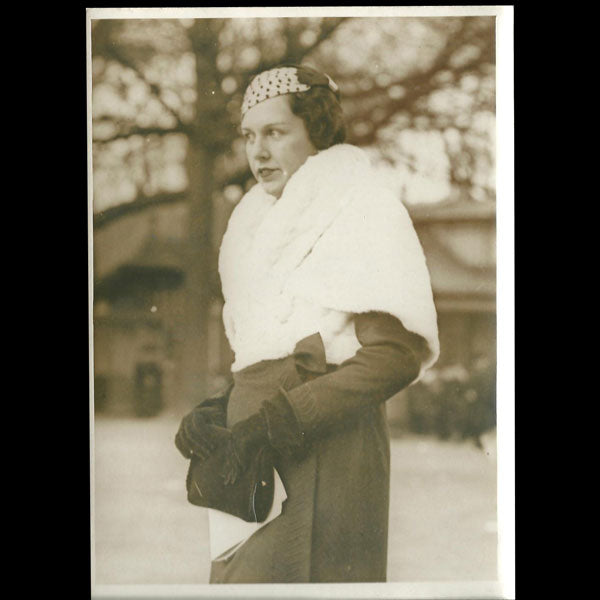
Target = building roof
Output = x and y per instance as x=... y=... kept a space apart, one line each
x=157 y=265
x=109 y=215
x=453 y=210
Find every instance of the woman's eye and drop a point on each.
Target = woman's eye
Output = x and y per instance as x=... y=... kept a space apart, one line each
x=274 y=133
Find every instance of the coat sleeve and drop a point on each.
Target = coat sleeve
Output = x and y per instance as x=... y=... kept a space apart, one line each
x=389 y=359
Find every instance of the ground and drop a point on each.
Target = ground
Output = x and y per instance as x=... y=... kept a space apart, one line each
x=442 y=513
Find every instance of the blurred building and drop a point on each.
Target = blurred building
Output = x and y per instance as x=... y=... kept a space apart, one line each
x=139 y=252
x=459 y=240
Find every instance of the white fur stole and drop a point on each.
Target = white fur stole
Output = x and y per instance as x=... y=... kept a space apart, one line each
x=337 y=242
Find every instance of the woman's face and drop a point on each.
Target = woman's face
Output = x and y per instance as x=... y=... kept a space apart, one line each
x=277 y=143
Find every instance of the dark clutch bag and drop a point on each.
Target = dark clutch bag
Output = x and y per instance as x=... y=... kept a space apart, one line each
x=250 y=498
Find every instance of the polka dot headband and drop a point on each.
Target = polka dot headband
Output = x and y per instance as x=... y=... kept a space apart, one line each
x=283 y=80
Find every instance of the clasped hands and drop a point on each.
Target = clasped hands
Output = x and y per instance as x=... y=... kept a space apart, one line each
x=202 y=432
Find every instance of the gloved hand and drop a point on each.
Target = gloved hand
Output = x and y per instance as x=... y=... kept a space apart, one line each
x=198 y=435
x=274 y=424
x=246 y=437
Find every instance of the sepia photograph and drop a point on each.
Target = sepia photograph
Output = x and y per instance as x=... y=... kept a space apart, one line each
x=300 y=226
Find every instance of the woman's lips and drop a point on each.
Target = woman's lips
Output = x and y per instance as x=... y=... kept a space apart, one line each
x=266 y=173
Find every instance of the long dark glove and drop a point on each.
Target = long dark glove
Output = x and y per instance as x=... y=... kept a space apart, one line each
x=245 y=438
x=389 y=359
x=274 y=425
x=201 y=430
x=196 y=435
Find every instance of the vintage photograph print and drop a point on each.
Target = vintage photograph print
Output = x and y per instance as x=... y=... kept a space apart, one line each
x=301 y=331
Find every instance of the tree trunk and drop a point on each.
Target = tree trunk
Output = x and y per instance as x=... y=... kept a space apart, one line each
x=198 y=275
x=200 y=260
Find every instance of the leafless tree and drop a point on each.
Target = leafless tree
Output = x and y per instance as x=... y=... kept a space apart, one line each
x=163 y=84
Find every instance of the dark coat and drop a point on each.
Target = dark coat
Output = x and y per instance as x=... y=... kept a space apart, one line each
x=334 y=524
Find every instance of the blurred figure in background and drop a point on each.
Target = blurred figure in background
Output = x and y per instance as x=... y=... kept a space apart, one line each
x=480 y=398
x=455 y=403
x=329 y=311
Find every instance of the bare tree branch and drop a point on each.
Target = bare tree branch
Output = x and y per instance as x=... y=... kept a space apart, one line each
x=441 y=63
x=143 y=131
x=115 y=54
x=295 y=52
x=417 y=87
x=331 y=25
x=139 y=203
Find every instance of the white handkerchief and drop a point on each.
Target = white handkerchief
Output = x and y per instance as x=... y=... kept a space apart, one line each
x=228 y=533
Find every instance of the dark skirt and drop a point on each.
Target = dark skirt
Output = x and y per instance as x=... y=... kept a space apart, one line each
x=334 y=524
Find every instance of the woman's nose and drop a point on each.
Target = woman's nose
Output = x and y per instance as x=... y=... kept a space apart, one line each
x=260 y=149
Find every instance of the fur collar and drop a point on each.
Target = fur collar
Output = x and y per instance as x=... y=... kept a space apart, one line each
x=338 y=240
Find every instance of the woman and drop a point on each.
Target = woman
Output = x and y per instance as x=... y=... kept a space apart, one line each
x=329 y=311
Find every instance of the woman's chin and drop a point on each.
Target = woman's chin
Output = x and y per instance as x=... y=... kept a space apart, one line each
x=272 y=188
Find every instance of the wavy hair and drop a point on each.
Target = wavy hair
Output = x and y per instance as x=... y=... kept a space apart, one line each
x=322 y=114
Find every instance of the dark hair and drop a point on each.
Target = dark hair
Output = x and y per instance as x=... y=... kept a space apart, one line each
x=322 y=114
